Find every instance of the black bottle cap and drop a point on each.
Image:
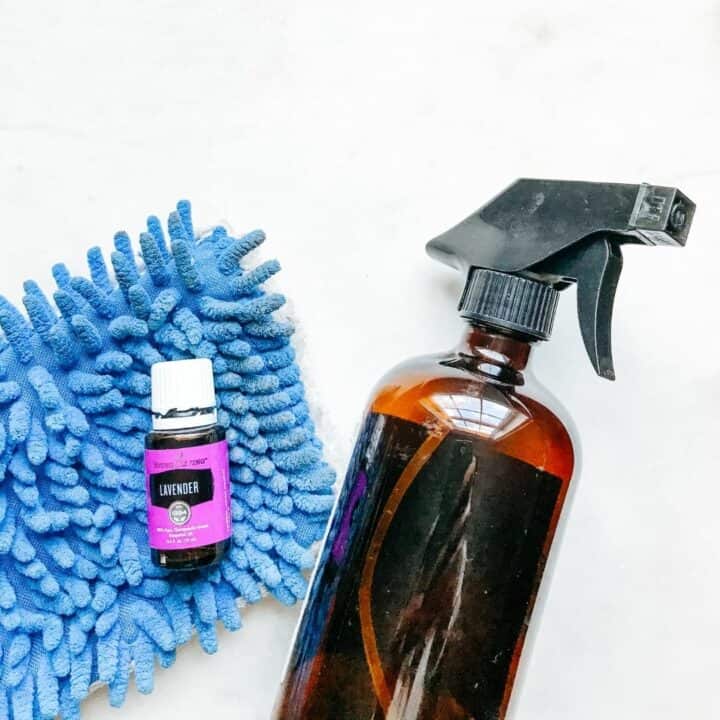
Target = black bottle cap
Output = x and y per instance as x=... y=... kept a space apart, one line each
x=509 y=301
x=552 y=233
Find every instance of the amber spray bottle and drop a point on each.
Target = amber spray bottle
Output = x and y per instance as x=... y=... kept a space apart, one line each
x=420 y=604
x=187 y=475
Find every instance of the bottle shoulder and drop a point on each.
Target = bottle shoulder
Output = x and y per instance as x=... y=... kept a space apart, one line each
x=188 y=437
x=450 y=391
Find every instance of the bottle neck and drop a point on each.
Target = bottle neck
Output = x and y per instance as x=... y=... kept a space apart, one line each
x=202 y=417
x=501 y=354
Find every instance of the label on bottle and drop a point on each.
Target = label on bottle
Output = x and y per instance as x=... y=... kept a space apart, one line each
x=188 y=496
x=428 y=577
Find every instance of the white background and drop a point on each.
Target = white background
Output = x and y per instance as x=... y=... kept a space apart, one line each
x=354 y=132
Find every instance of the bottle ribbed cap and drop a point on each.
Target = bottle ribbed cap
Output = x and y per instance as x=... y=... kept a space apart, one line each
x=509 y=301
x=183 y=394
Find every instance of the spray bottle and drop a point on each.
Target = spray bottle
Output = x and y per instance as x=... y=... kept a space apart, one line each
x=420 y=604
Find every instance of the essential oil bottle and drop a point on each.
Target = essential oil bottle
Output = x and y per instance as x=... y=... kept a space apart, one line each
x=187 y=475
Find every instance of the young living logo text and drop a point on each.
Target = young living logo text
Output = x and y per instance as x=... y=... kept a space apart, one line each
x=179 y=462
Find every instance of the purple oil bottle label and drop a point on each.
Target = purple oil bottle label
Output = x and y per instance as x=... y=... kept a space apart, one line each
x=188 y=496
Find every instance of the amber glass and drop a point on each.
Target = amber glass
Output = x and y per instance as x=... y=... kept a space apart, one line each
x=192 y=558
x=420 y=604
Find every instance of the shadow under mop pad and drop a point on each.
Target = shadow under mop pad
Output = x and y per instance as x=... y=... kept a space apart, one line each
x=80 y=601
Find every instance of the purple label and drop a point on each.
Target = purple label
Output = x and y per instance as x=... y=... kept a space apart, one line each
x=188 y=496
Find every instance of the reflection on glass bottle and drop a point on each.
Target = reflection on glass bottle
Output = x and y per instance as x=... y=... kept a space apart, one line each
x=426 y=624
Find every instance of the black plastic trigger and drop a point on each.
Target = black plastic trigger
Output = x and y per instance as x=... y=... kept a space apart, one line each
x=595 y=265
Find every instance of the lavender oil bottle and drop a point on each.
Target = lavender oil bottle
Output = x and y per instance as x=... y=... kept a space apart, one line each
x=187 y=476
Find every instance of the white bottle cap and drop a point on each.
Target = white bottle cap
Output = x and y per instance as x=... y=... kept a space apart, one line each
x=183 y=394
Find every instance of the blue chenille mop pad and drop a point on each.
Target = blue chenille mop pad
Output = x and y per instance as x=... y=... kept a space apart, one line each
x=80 y=601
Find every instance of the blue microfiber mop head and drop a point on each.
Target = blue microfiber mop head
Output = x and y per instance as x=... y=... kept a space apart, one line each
x=79 y=598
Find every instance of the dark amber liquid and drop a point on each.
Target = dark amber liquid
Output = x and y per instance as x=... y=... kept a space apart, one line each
x=420 y=605
x=188 y=559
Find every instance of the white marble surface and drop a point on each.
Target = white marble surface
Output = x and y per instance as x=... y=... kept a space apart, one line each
x=353 y=132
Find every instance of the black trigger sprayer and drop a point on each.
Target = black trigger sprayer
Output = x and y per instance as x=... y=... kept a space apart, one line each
x=538 y=236
x=422 y=597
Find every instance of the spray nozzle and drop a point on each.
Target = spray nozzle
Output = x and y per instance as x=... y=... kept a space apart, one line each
x=538 y=236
